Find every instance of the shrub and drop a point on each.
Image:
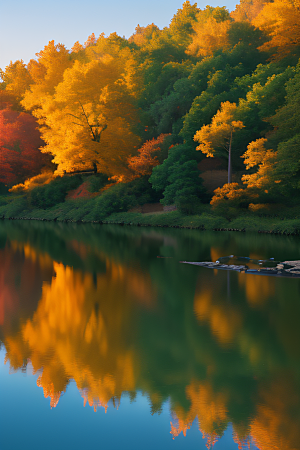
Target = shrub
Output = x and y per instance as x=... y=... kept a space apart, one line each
x=229 y=199
x=187 y=202
x=97 y=182
x=53 y=193
x=3 y=189
x=15 y=207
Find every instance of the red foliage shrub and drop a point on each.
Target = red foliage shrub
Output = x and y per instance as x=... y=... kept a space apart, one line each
x=20 y=157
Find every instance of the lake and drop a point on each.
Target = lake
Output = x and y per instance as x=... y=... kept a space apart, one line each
x=108 y=340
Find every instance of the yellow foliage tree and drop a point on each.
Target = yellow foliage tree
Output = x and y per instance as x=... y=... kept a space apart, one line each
x=77 y=47
x=265 y=160
x=247 y=10
x=92 y=102
x=280 y=20
x=47 y=72
x=17 y=79
x=218 y=135
x=210 y=32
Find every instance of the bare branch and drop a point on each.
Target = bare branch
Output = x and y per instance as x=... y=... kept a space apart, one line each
x=80 y=124
x=69 y=114
x=87 y=120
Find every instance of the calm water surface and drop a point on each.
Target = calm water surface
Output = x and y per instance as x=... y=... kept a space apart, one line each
x=107 y=340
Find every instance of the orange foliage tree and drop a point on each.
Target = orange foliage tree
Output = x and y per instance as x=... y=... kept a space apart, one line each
x=280 y=20
x=247 y=10
x=148 y=156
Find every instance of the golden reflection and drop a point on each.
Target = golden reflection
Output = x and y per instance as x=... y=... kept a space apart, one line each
x=223 y=320
x=215 y=253
x=258 y=288
x=78 y=332
x=273 y=427
x=206 y=405
x=43 y=260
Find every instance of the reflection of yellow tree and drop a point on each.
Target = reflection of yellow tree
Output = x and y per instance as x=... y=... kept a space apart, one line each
x=258 y=288
x=227 y=320
x=273 y=426
x=208 y=406
x=78 y=333
x=224 y=321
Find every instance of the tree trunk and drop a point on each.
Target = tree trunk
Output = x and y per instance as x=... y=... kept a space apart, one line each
x=229 y=161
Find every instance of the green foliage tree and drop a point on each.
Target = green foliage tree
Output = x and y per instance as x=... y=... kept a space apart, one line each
x=287 y=137
x=181 y=26
x=179 y=179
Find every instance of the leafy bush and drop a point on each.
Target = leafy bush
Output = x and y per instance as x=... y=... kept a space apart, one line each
x=97 y=182
x=179 y=179
x=3 y=189
x=187 y=202
x=14 y=208
x=4 y=199
x=54 y=192
x=229 y=198
x=115 y=199
x=142 y=190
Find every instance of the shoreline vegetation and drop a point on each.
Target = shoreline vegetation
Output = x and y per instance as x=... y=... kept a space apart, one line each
x=283 y=223
x=201 y=116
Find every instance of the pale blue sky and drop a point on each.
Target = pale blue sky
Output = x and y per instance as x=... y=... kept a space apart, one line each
x=26 y=26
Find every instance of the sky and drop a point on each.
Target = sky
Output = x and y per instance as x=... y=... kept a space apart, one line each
x=26 y=26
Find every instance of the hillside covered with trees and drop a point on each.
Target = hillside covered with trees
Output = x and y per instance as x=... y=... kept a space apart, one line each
x=203 y=115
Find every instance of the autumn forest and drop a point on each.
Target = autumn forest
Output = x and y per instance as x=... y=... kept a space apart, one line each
x=202 y=115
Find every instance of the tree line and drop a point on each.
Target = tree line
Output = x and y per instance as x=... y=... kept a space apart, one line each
x=148 y=109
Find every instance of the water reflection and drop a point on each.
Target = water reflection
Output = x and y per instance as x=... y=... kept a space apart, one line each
x=95 y=305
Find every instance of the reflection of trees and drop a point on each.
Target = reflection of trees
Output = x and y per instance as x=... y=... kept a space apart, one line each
x=206 y=405
x=22 y=272
x=262 y=392
x=82 y=331
x=276 y=424
x=238 y=345
x=133 y=322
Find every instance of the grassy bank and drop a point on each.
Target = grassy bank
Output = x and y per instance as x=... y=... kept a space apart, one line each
x=287 y=221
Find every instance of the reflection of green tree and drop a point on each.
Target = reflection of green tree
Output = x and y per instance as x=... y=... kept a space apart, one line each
x=140 y=244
